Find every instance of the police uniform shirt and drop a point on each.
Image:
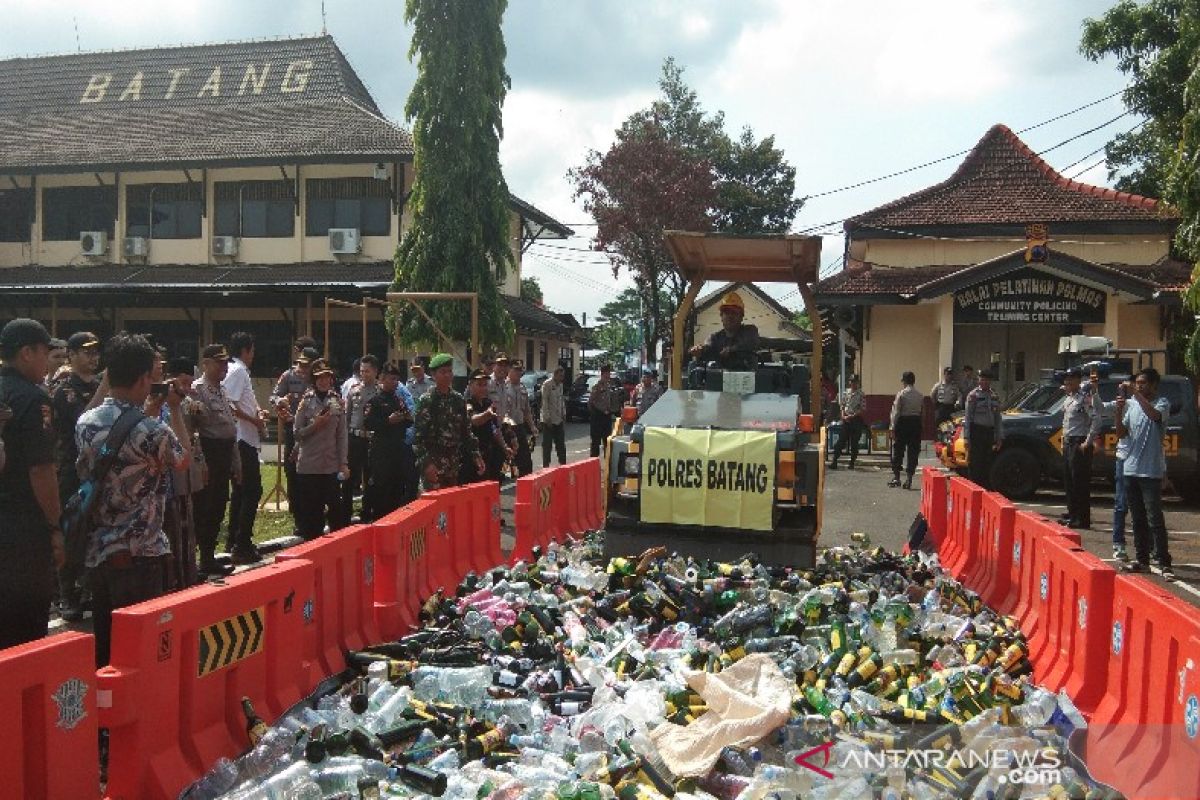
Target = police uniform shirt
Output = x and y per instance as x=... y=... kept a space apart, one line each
x=320 y=452
x=909 y=402
x=70 y=398
x=212 y=414
x=1081 y=415
x=852 y=403
x=28 y=442
x=645 y=396
x=516 y=402
x=983 y=410
x=498 y=395
x=418 y=388
x=945 y=394
x=292 y=385
x=356 y=403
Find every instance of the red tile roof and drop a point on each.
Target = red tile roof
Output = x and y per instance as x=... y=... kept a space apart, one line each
x=1002 y=181
x=864 y=279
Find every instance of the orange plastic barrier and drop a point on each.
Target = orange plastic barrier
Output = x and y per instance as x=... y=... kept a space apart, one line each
x=475 y=523
x=396 y=601
x=48 y=704
x=991 y=578
x=956 y=550
x=588 y=476
x=1070 y=651
x=1026 y=530
x=443 y=548
x=1143 y=736
x=182 y=662
x=934 y=486
x=534 y=513
x=573 y=512
x=344 y=596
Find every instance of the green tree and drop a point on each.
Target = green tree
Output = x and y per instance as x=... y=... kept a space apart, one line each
x=1155 y=45
x=459 y=237
x=531 y=291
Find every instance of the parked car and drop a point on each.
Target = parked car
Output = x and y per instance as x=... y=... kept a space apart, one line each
x=1031 y=451
x=577 y=399
x=532 y=382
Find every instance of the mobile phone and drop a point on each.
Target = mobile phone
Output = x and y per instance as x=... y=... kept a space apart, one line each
x=159 y=389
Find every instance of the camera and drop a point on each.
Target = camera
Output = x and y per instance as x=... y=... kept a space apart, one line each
x=159 y=389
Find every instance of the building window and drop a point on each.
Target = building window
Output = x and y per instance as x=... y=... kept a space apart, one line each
x=254 y=209
x=164 y=210
x=67 y=211
x=362 y=203
x=16 y=215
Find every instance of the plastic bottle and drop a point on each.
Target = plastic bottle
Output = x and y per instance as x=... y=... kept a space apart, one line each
x=219 y=779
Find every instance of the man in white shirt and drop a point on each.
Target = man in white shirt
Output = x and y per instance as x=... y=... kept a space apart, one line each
x=251 y=427
x=419 y=383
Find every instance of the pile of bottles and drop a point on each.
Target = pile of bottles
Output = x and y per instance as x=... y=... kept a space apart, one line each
x=546 y=680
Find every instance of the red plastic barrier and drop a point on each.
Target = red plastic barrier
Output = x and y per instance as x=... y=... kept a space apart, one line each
x=934 y=488
x=344 y=592
x=442 y=548
x=475 y=521
x=992 y=580
x=1143 y=736
x=1021 y=585
x=592 y=492
x=48 y=704
x=534 y=513
x=956 y=550
x=180 y=665
x=1070 y=651
x=396 y=601
x=573 y=511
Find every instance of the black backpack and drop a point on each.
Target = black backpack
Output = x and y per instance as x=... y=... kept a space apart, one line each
x=78 y=517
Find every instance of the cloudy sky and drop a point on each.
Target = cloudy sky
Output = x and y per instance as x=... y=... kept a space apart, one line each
x=851 y=90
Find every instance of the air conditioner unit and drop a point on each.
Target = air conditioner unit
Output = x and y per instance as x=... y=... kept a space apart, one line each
x=93 y=243
x=224 y=245
x=344 y=240
x=1083 y=344
x=136 y=246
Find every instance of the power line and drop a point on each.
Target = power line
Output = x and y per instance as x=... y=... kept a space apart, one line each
x=907 y=170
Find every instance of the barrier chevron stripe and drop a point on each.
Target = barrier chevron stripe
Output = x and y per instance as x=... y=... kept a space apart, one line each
x=416 y=545
x=230 y=640
x=544 y=496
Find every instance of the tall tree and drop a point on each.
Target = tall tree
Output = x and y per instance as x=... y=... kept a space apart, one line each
x=645 y=185
x=531 y=291
x=459 y=237
x=673 y=166
x=1155 y=44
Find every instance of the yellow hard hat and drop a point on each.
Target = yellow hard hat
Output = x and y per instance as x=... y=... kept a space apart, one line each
x=733 y=300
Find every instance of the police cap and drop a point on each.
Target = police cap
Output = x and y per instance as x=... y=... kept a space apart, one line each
x=83 y=340
x=480 y=375
x=22 y=332
x=1074 y=372
x=308 y=355
x=321 y=367
x=217 y=352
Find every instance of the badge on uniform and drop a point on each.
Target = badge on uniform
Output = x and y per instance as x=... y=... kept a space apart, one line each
x=47 y=417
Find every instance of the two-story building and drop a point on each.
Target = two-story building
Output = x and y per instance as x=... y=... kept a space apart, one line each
x=993 y=265
x=190 y=192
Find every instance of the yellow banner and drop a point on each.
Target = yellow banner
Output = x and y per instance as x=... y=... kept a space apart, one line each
x=721 y=478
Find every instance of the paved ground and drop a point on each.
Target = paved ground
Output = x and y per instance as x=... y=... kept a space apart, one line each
x=861 y=501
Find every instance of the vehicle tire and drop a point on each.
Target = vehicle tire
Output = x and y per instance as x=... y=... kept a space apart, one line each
x=1016 y=474
x=1188 y=488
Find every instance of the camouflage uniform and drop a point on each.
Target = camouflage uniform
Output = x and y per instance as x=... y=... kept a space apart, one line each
x=291 y=385
x=443 y=436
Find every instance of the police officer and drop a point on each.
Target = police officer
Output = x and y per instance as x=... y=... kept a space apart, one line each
x=357 y=399
x=735 y=346
x=1081 y=432
x=852 y=406
x=521 y=414
x=604 y=403
x=486 y=426
x=946 y=396
x=982 y=429
x=496 y=384
x=217 y=429
x=290 y=387
x=31 y=544
x=442 y=441
x=321 y=457
x=388 y=419
x=905 y=429
x=71 y=396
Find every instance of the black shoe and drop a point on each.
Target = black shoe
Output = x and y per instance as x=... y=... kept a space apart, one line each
x=1135 y=566
x=245 y=556
x=70 y=611
x=908 y=482
x=833 y=465
x=214 y=569
x=894 y=482
x=851 y=464
x=1079 y=526
x=1168 y=573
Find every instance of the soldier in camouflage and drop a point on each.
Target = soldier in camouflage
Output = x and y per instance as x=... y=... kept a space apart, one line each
x=443 y=442
x=290 y=387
